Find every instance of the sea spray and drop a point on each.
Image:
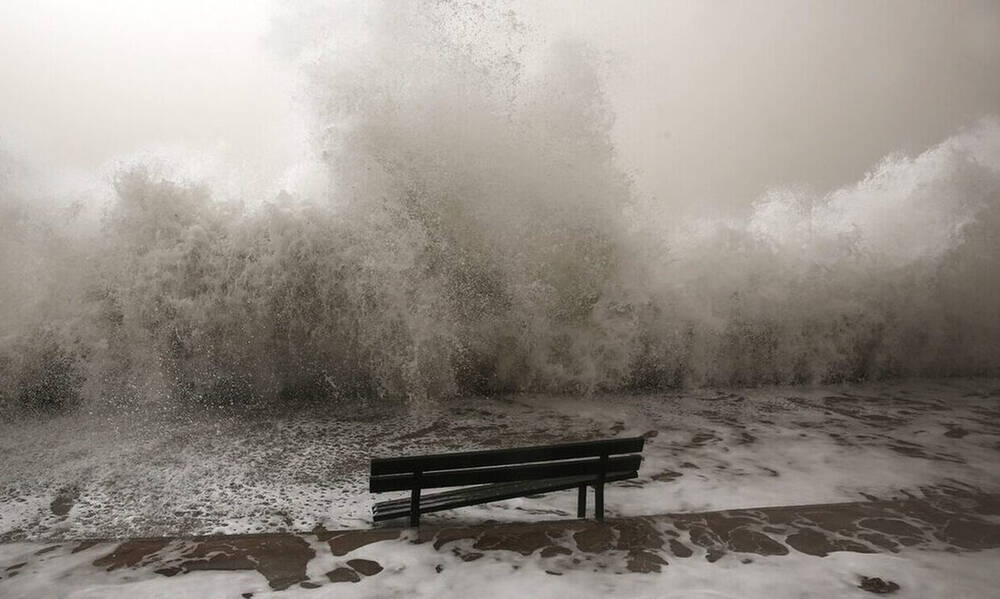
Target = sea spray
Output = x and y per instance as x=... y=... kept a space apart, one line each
x=479 y=234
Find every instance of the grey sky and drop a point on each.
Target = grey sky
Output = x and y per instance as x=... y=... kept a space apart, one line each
x=719 y=100
x=715 y=101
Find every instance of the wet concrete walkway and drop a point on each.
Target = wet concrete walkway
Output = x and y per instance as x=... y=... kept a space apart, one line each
x=943 y=518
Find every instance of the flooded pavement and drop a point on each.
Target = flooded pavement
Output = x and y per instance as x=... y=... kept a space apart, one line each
x=945 y=520
x=707 y=450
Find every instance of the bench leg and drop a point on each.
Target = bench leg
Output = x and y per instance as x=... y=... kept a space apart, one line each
x=581 y=502
x=599 y=490
x=599 y=501
x=415 y=508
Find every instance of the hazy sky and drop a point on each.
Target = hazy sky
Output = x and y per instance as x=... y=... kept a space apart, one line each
x=87 y=81
x=715 y=100
x=719 y=100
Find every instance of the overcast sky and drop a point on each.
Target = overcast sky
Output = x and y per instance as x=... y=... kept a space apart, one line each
x=84 y=82
x=715 y=101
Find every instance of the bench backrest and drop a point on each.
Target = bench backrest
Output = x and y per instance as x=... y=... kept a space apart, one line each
x=505 y=465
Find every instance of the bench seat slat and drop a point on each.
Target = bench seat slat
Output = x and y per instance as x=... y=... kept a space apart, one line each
x=498 y=457
x=500 y=474
x=485 y=491
x=482 y=491
x=398 y=508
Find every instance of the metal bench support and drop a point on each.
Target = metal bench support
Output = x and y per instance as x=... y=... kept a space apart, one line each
x=415 y=501
x=599 y=489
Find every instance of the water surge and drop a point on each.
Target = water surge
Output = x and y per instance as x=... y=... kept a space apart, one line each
x=478 y=234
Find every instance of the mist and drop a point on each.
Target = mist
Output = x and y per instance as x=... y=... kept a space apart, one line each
x=713 y=102
x=295 y=202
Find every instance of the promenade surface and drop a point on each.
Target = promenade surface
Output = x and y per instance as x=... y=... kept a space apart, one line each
x=944 y=520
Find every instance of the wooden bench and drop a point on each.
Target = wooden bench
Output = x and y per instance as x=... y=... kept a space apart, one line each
x=503 y=474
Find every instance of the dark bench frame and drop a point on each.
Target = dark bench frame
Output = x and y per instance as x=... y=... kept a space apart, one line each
x=503 y=474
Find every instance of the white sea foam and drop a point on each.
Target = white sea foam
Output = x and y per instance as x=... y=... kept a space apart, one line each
x=419 y=570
